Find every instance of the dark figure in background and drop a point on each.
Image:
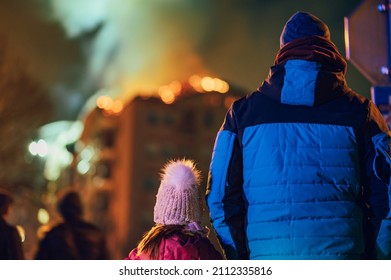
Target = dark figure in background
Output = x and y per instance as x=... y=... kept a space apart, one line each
x=10 y=241
x=301 y=167
x=74 y=239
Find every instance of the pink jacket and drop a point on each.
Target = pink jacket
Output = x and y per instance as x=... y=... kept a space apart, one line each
x=184 y=247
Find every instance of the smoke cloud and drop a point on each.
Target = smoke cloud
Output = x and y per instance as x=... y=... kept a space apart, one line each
x=137 y=45
x=128 y=47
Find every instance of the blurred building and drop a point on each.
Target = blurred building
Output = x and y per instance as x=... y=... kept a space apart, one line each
x=120 y=154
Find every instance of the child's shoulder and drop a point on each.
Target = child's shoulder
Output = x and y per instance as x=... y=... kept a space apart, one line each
x=191 y=246
x=133 y=255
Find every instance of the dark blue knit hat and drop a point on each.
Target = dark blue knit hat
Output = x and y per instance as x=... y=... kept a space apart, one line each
x=303 y=24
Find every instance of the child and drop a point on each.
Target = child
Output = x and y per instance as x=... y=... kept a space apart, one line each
x=177 y=234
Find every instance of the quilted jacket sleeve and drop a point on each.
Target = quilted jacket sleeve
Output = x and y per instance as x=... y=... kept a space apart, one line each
x=376 y=185
x=224 y=192
x=382 y=167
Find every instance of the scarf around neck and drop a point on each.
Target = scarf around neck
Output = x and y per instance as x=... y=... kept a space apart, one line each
x=313 y=48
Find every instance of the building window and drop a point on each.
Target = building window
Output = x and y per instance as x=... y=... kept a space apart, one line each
x=103 y=169
x=152 y=118
x=150 y=183
x=208 y=119
x=151 y=150
x=168 y=152
x=107 y=138
x=188 y=121
x=169 y=120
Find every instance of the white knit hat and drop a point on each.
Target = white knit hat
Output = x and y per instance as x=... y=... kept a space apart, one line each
x=178 y=201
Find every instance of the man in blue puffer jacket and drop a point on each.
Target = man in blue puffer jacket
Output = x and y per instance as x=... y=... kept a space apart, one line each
x=301 y=167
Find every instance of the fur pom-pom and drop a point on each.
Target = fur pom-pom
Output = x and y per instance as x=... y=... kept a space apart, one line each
x=181 y=174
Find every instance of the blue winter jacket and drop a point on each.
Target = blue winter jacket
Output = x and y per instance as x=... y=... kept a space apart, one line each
x=301 y=167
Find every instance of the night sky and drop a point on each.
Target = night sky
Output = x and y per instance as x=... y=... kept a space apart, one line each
x=76 y=48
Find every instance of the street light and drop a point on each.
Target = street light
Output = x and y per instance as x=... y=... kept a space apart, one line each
x=39 y=148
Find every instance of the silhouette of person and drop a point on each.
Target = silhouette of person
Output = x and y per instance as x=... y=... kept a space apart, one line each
x=10 y=240
x=74 y=238
x=301 y=167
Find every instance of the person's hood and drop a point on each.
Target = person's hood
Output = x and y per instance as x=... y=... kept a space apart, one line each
x=307 y=71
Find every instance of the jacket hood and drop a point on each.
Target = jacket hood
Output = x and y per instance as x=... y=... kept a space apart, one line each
x=307 y=71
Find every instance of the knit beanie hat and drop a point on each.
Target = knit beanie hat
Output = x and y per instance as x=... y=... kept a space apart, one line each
x=178 y=201
x=303 y=24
